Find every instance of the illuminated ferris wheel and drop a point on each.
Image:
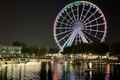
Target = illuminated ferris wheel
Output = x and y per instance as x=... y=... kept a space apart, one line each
x=79 y=22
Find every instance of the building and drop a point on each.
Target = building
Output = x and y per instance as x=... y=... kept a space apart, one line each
x=10 y=49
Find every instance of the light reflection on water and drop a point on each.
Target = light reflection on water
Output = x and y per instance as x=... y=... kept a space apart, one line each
x=59 y=71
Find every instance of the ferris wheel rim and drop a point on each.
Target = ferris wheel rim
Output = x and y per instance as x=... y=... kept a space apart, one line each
x=78 y=3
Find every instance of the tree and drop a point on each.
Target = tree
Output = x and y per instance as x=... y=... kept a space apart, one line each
x=99 y=48
x=17 y=43
x=53 y=50
x=42 y=51
x=80 y=48
x=25 y=49
x=115 y=49
x=95 y=48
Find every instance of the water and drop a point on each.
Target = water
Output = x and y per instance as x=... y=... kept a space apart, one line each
x=59 y=71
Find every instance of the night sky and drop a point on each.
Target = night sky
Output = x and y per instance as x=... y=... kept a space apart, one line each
x=31 y=21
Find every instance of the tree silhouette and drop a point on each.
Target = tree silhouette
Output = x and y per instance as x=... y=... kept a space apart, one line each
x=115 y=49
x=95 y=48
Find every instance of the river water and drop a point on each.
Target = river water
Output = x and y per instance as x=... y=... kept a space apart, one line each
x=59 y=71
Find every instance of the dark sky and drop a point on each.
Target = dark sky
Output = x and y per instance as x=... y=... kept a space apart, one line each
x=31 y=21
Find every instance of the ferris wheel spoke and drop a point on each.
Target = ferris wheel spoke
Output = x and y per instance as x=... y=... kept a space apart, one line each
x=79 y=38
x=91 y=15
x=86 y=13
x=64 y=28
x=77 y=13
x=68 y=42
x=67 y=20
x=89 y=40
x=92 y=35
x=64 y=37
x=72 y=38
x=82 y=12
x=100 y=24
x=94 y=30
x=76 y=39
x=64 y=23
x=63 y=32
x=94 y=19
x=73 y=14
x=69 y=16
x=63 y=17
x=82 y=35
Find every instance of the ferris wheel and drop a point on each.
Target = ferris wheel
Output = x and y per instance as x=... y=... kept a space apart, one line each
x=79 y=22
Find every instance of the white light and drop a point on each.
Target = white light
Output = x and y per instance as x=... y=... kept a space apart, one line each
x=90 y=64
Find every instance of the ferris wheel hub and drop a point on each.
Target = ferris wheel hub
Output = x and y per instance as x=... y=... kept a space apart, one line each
x=78 y=26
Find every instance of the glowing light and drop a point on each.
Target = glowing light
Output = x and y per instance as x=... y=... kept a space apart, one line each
x=90 y=65
x=107 y=72
x=72 y=74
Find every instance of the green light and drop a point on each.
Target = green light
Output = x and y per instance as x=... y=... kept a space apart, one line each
x=84 y=0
